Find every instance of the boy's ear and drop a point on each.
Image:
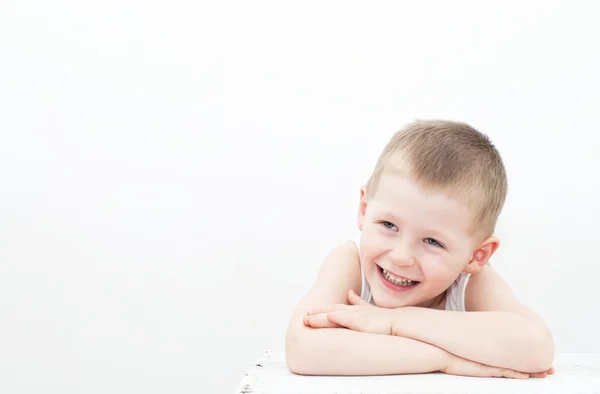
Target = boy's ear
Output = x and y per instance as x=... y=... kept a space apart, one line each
x=362 y=207
x=483 y=253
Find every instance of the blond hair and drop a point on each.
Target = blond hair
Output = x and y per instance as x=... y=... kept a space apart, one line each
x=449 y=157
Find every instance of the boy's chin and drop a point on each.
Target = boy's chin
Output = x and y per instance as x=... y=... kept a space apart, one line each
x=386 y=302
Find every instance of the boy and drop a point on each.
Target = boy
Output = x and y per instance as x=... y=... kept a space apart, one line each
x=415 y=292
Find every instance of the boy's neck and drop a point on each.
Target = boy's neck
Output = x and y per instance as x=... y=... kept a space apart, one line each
x=438 y=302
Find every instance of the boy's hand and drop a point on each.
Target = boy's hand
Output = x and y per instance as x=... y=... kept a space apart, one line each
x=358 y=316
x=463 y=367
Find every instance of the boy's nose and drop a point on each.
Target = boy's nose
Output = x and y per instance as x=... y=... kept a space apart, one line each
x=404 y=262
x=402 y=256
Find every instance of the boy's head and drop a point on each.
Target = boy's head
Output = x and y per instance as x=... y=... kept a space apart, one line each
x=429 y=210
x=451 y=158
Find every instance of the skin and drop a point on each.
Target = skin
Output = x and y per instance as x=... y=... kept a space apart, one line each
x=426 y=237
x=419 y=235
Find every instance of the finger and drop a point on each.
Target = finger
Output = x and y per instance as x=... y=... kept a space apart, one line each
x=539 y=374
x=503 y=373
x=509 y=373
x=318 y=321
x=543 y=374
x=354 y=299
x=326 y=309
x=343 y=318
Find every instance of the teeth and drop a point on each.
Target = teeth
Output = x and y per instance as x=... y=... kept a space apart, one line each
x=394 y=279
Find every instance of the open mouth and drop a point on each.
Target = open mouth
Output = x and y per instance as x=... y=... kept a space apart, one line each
x=397 y=280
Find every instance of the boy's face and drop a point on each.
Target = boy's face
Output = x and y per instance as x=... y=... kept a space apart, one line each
x=415 y=243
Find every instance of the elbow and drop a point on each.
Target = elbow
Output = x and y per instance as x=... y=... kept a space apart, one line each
x=546 y=352
x=296 y=365
x=306 y=352
x=295 y=358
x=541 y=351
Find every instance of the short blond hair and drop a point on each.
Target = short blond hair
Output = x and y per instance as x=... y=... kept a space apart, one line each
x=450 y=157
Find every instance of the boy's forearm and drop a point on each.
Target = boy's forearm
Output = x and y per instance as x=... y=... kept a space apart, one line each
x=499 y=339
x=339 y=351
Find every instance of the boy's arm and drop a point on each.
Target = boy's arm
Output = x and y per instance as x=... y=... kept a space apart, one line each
x=339 y=351
x=496 y=329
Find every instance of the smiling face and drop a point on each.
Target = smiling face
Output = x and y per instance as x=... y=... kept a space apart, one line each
x=414 y=243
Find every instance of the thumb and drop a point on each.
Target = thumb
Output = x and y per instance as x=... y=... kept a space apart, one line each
x=354 y=299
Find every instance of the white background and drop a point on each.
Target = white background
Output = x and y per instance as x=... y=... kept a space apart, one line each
x=173 y=173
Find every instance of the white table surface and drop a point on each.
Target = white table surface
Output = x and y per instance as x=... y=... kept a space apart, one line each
x=575 y=373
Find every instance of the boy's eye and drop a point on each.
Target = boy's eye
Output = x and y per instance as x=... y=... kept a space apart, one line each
x=389 y=225
x=432 y=242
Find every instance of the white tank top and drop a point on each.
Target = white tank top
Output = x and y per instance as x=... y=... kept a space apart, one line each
x=455 y=295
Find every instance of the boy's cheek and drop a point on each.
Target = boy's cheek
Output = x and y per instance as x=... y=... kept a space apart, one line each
x=438 y=275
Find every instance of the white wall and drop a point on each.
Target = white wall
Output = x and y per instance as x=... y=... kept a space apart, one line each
x=172 y=173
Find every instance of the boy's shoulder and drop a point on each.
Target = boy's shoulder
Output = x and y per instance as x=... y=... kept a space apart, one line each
x=345 y=249
x=485 y=289
x=343 y=261
x=348 y=254
x=488 y=291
